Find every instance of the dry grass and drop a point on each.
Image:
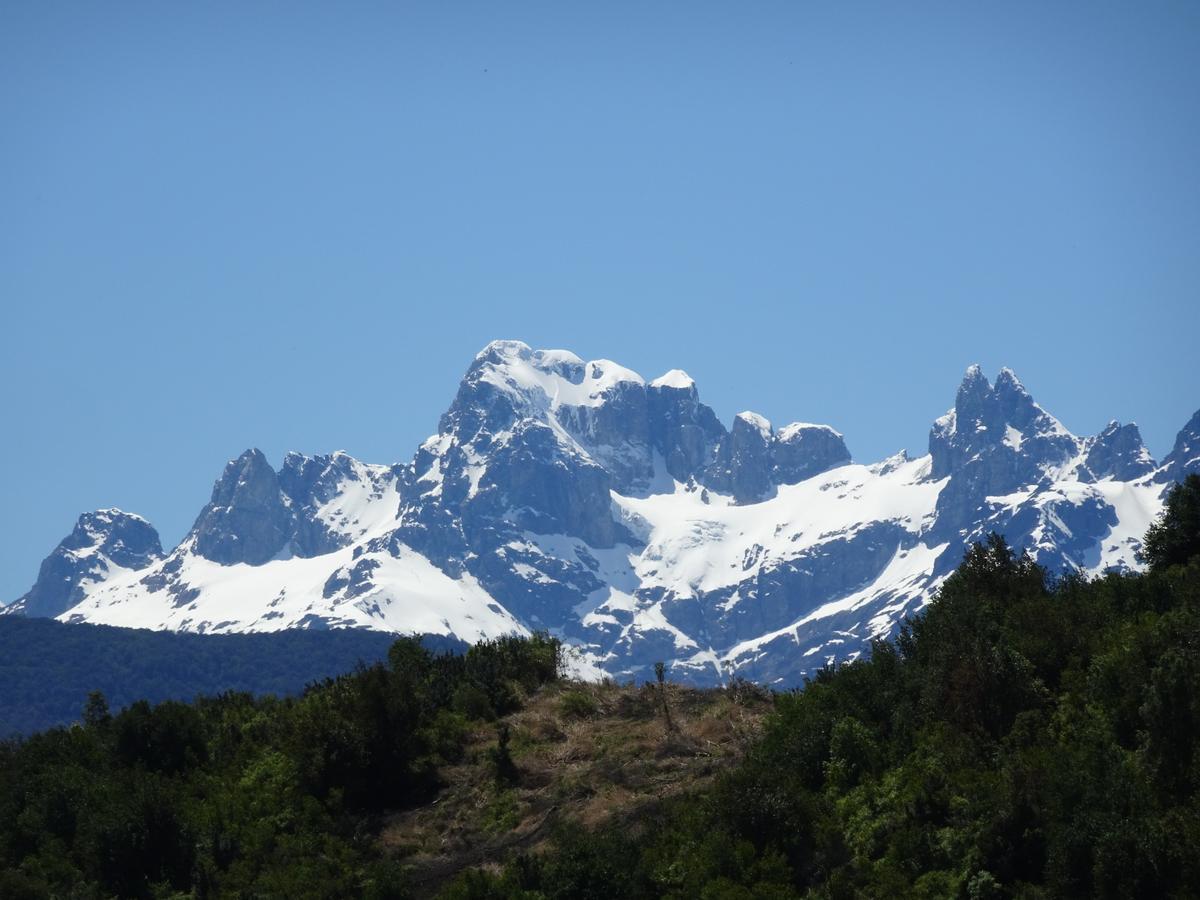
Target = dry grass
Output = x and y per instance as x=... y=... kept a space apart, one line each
x=590 y=759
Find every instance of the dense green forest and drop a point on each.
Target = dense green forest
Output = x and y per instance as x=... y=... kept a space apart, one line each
x=241 y=796
x=1026 y=736
x=48 y=668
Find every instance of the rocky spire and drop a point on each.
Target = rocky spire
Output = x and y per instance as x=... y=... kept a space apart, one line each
x=247 y=519
x=743 y=465
x=1001 y=426
x=1118 y=452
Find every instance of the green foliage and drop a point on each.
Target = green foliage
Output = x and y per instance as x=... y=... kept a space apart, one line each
x=95 y=711
x=1024 y=737
x=1175 y=538
x=577 y=704
x=241 y=796
x=504 y=770
x=471 y=702
x=502 y=813
x=49 y=668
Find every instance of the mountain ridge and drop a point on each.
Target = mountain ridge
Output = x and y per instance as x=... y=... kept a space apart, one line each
x=621 y=515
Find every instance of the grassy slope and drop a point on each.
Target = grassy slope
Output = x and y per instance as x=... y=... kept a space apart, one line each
x=591 y=754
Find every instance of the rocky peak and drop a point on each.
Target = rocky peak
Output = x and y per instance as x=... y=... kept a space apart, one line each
x=248 y=519
x=682 y=429
x=1184 y=457
x=621 y=423
x=101 y=541
x=1118 y=452
x=996 y=441
x=753 y=458
x=310 y=482
x=313 y=480
x=605 y=409
x=674 y=380
x=743 y=463
x=313 y=505
x=1003 y=423
x=1013 y=404
x=801 y=451
x=125 y=538
x=973 y=393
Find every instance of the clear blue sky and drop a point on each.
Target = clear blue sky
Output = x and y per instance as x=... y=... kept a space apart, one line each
x=287 y=226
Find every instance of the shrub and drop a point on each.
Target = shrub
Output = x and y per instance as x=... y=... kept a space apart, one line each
x=577 y=705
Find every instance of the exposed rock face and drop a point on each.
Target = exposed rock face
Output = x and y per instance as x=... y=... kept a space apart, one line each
x=1118 y=452
x=328 y=496
x=542 y=486
x=623 y=516
x=682 y=429
x=801 y=451
x=994 y=442
x=247 y=520
x=311 y=507
x=102 y=544
x=743 y=466
x=998 y=434
x=753 y=459
x=1184 y=457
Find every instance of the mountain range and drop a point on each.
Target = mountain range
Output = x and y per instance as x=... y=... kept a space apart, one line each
x=623 y=516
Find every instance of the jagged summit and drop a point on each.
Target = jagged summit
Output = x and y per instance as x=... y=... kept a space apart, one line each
x=1184 y=457
x=973 y=374
x=644 y=436
x=1008 y=380
x=623 y=516
x=312 y=505
x=103 y=544
x=675 y=378
x=1118 y=452
x=247 y=519
x=1001 y=422
x=759 y=423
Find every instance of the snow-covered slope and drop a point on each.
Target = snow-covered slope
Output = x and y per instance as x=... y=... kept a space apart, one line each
x=105 y=546
x=620 y=514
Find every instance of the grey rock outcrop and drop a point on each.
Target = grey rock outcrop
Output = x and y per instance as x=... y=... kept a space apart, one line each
x=743 y=466
x=247 y=520
x=1118 y=452
x=257 y=514
x=311 y=484
x=100 y=542
x=1184 y=458
x=801 y=451
x=994 y=442
x=682 y=429
x=545 y=488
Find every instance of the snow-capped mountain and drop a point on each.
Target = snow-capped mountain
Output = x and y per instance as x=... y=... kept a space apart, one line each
x=104 y=546
x=622 y=515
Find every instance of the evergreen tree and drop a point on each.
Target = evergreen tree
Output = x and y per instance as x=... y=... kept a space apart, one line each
x=1175 y=538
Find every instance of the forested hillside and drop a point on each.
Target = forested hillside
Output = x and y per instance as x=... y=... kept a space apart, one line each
x=48 y=668
x=1029 y=735
x=238 y=796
